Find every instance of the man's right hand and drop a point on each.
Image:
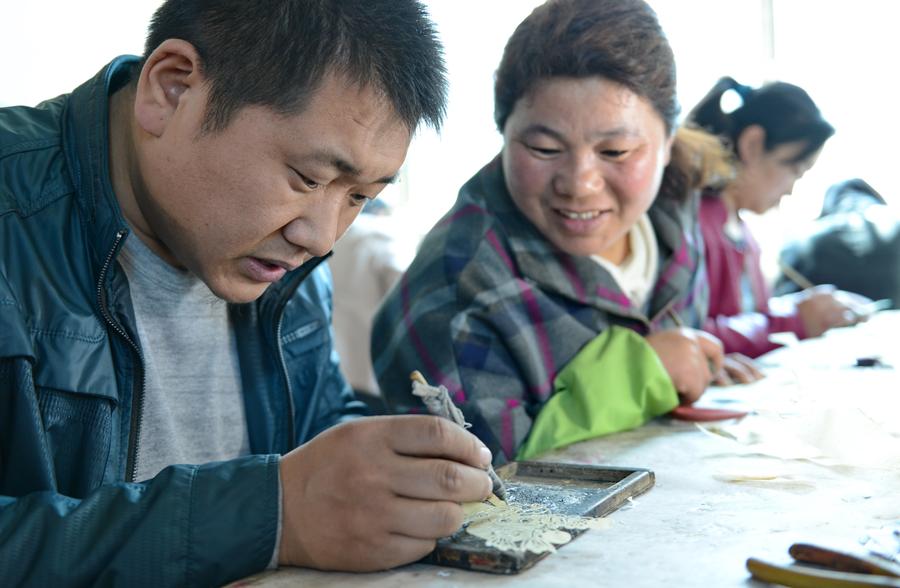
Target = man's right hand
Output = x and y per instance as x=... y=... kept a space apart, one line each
x=377 y=492
x=691 y=357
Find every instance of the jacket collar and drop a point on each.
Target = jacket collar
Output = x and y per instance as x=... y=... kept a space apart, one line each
x=86 y=147
x=580 y=278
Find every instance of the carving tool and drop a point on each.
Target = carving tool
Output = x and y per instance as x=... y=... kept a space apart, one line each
x=437 y=401
x=836 y=569
x=795 y=276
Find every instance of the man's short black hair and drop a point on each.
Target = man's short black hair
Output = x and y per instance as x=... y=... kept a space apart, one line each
x=275 y=53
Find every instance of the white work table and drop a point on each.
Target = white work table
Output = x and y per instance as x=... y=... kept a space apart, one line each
x=718 y=501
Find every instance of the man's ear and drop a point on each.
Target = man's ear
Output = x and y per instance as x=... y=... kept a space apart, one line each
x=169 y=72
x=751 y=143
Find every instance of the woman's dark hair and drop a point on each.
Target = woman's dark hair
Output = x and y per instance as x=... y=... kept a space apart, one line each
x=784 y=111
x=618 y=40
x=275 y=53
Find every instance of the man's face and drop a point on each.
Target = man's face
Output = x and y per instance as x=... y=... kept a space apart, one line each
x=241 y=206
x=583 y=160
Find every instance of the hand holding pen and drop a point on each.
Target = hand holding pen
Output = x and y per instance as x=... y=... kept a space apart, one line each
x=437 y=401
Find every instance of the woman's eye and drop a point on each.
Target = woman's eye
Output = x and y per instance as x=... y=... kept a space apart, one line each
x=614 y=153
x=546 y=151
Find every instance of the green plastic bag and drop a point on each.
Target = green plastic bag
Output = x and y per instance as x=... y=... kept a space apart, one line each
x=615 y=383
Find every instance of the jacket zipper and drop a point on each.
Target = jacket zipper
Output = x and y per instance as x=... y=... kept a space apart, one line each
x=287 y=379
x=284 y=373
x=137 y=397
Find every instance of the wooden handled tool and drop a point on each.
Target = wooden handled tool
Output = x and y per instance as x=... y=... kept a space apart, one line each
x=795 y=276
x=836 y=569
x=437 y=401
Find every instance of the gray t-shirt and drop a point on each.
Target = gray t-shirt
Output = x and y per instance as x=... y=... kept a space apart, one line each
x=193 y=407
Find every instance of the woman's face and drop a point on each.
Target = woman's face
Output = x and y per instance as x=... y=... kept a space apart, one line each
x=583 y=160
x=764 y=178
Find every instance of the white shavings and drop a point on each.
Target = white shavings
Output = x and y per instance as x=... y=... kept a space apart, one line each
x=519 y=528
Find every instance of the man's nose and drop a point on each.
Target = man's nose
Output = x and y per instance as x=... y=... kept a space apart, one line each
x=315 y=229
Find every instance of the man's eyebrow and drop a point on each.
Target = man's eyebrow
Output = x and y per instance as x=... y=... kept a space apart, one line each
x=345 y=167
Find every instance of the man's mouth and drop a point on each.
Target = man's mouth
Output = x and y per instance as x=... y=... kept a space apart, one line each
x=275 y=264
x=263 y=270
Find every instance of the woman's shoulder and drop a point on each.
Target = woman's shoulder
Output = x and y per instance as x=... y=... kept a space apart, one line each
x=712 y=211
x=476 y=217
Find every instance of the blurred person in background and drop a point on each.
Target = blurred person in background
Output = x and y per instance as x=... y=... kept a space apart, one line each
x=774 y=136
x=853 y=244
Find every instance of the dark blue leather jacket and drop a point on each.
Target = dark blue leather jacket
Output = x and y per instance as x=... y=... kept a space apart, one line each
x=71 y=380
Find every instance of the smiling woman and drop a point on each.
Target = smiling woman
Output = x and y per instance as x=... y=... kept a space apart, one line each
x=583 y=161
x=549 y=300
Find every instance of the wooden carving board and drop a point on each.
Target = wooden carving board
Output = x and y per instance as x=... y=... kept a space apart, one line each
x=568 y=489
